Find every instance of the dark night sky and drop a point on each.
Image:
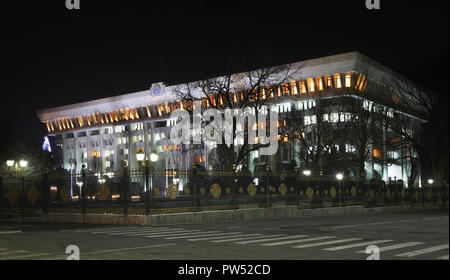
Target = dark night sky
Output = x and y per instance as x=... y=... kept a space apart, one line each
x=54 y=56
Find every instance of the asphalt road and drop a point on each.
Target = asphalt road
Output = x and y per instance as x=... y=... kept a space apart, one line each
x=399 y=236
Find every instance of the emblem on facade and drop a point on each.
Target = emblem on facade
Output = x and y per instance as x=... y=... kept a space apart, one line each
x=32 y=195
x=354 y=192
x=282 y=189
x=309 y=192
x=215 y=190
x=333 y=192
x=202 y=190
x=64 y=193
x=251 y=189
x=228 y=190
x=172 y=191
x=103 y=192
x=156 y=89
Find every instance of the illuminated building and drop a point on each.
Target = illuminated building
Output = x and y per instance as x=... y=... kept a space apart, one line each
x=105 y=132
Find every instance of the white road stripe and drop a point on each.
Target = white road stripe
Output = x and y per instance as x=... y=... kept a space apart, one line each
x=396 y=246
x=242 y=238
x=298 y=241
x=221 y=237
x=423 y=251
x=145 y=231
x=3 y=249
x=92 y=229
x=327 y=243
x=348 y=226
x=133 y=230
x=406 y=221
x=170 y=232
x=204 y=235
x=184 y=234
x=443 y=258
x=26 y=256
x=431 y=218
x=271 y=239
x=5 y=253
x=10 y=232
x=125 y=249
x=380 y=223
x=357 y=245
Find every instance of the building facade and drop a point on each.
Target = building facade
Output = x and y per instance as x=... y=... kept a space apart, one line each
x=104 y=133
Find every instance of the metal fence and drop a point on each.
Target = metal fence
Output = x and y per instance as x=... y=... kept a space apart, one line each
x=144 y=192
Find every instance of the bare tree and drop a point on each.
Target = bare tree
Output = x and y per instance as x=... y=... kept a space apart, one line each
x=255 y=90
x=421 y=122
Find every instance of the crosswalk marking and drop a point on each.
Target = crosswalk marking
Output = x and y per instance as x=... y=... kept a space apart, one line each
x=297 y=241
x=5 y=253
x=134 y=230
x=271 y=239
x=242 y=238
x=443 y=257
x=406 y=221
x=198 y=235
x=380 y=223
x=347 y=226
x=170 y=232
x=221 y=237
x=147 y=231
x=195 y=233
x=423 y=251
x=10 y=231
x=326 y=243
x=396 y=246
x=431 y=218
x=343 y=247
x=93 y=229
x=26 y=256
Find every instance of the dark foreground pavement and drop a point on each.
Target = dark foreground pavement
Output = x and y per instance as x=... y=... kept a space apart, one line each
x=399 y=236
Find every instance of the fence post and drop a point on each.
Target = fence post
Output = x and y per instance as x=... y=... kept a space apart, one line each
x=194 y=185
x=234 y=187
x=126 y=181
x=268 y=184
x=83 y=190
x=1 y=198
x=147 y=183
x=45 y=193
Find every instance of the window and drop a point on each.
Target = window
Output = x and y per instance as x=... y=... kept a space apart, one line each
x=319 y=83
x=311 y=86
x=348 y=80
x=325 y=117
x=294 y=88
x=337 y=80
x=302 y=86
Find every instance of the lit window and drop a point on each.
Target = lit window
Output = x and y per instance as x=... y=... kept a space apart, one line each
x=294 y=88
x=337 y=80
x=328 y=81
x=302 y=86
x=311 y=86
x=319 y=83
x=348 y=80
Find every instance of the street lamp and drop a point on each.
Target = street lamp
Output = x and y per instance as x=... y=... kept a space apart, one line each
x=10 y=163
x=430 y=181
x=149 y=164
x=306 y=172
x=140 y=156
x=340 y=176
x=154 y=157
x=23 y=163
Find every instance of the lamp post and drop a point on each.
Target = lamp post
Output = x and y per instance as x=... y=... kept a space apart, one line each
x=82 y=190
x=234 y=187
x=268 y=185
x=147 y=166
x=340 y=176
